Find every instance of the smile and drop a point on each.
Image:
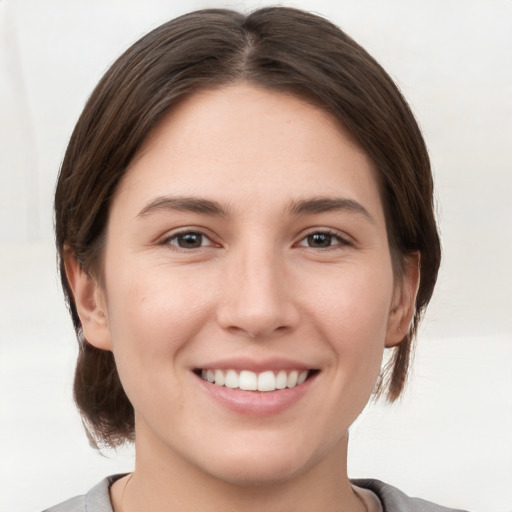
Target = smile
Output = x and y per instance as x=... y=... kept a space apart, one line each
x=247 y=380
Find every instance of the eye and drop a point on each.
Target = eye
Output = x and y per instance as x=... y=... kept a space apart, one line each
x=189 y=240
x=322 y=240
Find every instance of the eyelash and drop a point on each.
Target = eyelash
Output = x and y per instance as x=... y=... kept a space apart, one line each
x=334 y=235
x=175 y=237
x=329 y=234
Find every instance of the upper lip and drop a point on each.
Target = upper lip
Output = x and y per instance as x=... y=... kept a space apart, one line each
x=254 y=365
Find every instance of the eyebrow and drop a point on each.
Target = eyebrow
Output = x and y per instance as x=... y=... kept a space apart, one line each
x=184 y=204
x=209 y=207
x=327 y=204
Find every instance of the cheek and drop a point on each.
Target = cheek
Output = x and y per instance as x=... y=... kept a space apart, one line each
x=351 y=312
x=153 y=313
x=355 y=302
x=151 y=318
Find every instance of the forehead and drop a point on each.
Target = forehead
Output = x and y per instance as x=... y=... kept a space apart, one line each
x=242 y=111
x=247 y=143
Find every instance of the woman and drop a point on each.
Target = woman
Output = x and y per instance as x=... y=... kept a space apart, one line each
x=244 y=223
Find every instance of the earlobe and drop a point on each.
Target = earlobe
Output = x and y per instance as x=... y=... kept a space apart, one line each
x=404 y=301
x=90 y=302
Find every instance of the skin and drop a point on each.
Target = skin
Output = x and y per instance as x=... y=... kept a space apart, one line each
x=256 y=287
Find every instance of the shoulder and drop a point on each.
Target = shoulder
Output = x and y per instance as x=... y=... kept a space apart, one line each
x=394 y=500
x=96 y=500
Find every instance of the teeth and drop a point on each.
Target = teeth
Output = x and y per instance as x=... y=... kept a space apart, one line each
x=251 y=381
x=219 y=378
x=281 y=380
x=292 y=379
x=302 y=377
x=232 y=380
x=266 y=381
x=248 y=381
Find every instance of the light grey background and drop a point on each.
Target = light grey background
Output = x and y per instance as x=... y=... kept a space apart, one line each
x=450 y=439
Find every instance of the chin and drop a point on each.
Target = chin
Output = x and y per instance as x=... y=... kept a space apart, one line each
x=260 y=466
x=258 y=472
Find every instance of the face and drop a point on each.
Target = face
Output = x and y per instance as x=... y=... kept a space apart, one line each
x=248 y=291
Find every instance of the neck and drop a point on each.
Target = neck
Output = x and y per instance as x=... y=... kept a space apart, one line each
x=172 y=483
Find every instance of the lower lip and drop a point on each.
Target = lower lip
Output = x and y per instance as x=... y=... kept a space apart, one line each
x=257 y=403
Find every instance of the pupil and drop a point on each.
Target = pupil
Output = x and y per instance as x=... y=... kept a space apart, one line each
x=320 y=240
x=190 y=240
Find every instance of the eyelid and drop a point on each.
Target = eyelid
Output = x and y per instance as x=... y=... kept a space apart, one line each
x=345 y=240
x=173 y=234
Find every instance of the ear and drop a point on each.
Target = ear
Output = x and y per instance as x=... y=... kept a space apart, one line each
x=90 y=302
x=404 y=301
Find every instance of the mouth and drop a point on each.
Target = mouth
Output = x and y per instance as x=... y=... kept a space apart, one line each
x=247 y=380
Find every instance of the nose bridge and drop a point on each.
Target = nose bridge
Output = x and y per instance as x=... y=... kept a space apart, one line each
x=257 y=301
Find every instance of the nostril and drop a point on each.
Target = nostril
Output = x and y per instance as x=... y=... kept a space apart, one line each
x=258 y=330
x=259 y=309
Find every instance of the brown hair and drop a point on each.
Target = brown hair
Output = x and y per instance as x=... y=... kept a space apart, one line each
x=279 y=48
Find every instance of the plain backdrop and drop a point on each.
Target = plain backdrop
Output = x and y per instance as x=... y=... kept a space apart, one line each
x=450 y=439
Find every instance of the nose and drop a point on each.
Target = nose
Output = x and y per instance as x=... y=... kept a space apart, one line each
x=257 y=300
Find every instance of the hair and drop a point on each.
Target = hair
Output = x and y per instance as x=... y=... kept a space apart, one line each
x=278 y=48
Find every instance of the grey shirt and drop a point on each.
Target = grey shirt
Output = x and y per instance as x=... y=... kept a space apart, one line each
x=392 y=499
